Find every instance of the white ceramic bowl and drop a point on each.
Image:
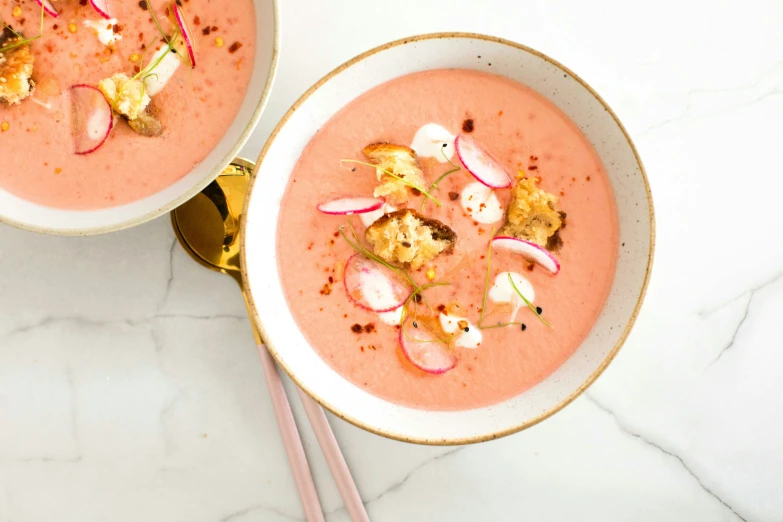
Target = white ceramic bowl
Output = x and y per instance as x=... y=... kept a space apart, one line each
x=30 y=216
x=316 y=106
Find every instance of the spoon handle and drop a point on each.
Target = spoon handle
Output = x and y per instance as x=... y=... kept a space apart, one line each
x=334 y=458
x=293 y=444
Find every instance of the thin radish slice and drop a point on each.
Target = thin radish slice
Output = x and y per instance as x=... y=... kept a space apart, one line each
x=481 y=164
x=186 y=34
x=48 y=7
x=347 y=206
x=529 y=250
x=102 y=6
x=373 y=286
x=424 y=350
x=92 y=118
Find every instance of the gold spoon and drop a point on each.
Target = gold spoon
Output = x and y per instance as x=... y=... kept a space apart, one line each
x=208 y=229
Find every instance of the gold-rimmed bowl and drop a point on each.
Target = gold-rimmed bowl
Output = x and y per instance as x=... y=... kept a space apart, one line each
x=27 y=215
x=436 y=51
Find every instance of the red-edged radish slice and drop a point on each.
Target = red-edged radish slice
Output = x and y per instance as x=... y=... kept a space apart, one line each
x=92 y=118
x=529 y=250
x=48 y=7
x=424 y=350
x=484 y=167
x=373 y=286
x=186 y=34
x=102 y=6
x=347 y=206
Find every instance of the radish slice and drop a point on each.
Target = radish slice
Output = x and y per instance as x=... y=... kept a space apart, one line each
x=529 y=250
x=348 y=206
x=373 y=286
x=484 y=167
x=423 y=349
x=48 y=7
x=102 y=6
x=92 y=119
x=186 y=35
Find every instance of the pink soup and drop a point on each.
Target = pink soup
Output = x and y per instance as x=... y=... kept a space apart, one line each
x=524 y=132
x=195 y=107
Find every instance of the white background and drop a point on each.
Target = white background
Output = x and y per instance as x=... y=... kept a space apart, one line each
x=130 y=388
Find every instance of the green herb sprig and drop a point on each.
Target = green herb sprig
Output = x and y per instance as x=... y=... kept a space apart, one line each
x=434 y=185
x=423 y=191
x=24 y=41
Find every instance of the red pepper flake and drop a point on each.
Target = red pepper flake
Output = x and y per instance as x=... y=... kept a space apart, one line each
x=356 y=328
x=117 y=29
x=82 y=2
x=533 y=158
x=453 y=196
x=136 y=68
x=500 y=113
x=337 y=234
x=467 y=125
x=441 y=308
x=55 y=26
x=143 y=4
x=234 y=47
x=588 y=178
x=562 y=193
x=369 y=327
x=310 y=246
x=327 y=289
x=372 y=347
x=361 y=348
x=206 y=31
x=179 y=3
x=214 y=28
x=532 y=167
x=196 y=20
x=345 y=316
x=168 y=13
x=331 y=279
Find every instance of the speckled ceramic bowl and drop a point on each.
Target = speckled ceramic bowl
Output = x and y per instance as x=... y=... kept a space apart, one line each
x=316 y=106
x=37 y=218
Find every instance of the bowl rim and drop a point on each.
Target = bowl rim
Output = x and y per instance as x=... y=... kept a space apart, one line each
x=258 y=323
x=201 y=184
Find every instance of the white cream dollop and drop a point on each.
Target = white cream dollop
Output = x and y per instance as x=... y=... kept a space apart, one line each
x=368 y=218
x=470 y=339
x=393 y=317
x=429 y=142
x=163 y=72
x=104 y=29
x=503 y=292
x=480 y=203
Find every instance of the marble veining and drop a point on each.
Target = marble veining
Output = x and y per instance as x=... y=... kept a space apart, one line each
x=130 y=387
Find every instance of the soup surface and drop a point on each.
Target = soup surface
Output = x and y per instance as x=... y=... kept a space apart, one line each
x=195 y=107
x=530 y=138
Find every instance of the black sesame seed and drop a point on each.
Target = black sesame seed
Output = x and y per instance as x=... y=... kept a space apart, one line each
x=467 y=329
x=415 y=324
x=539 y=310
x=524 y=327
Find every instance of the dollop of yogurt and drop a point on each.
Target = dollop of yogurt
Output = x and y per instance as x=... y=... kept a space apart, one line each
x=163 y=72
x=503 y=292
x=465 y=339
x=429 y=142
x=104 y=29
x=368 y=218
x=481 y=204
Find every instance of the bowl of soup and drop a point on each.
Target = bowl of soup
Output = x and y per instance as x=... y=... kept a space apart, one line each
x=113 y=113
x=447 y=239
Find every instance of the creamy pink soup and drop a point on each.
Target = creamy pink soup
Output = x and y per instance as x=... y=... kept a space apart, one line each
x=523 y=131
x=196 y=107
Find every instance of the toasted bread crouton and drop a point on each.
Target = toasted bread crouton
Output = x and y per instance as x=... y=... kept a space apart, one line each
x=400 y=161
x=16 y=68
x=408 y=238
x=146 y=125
x=531 y=213
x=126 y=95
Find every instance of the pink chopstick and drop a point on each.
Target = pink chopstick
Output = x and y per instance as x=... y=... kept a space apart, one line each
x=293 y=444
x=334 y=458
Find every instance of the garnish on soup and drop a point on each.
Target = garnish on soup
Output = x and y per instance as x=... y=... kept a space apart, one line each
x=16 y=67
x=456 y=291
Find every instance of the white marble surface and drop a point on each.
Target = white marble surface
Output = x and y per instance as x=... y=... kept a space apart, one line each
x=130 y=388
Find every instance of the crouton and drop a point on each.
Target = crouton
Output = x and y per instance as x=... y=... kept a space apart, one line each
x=146 y=125
x=16 y=68
x=532 y=214
x=400 y=161
x=126 y=95
x=410 y=239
